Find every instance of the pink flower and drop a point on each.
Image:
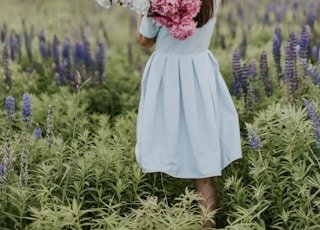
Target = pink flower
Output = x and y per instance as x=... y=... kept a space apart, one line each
x=183 y=30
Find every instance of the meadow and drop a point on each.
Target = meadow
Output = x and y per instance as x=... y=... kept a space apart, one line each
x=69 y=92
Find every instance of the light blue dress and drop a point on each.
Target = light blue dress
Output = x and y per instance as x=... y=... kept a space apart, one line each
x=187 y=124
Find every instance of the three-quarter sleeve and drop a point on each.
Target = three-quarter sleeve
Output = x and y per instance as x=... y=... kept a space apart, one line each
x=148 y=28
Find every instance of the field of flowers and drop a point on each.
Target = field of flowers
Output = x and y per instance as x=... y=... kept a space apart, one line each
x=70 y=79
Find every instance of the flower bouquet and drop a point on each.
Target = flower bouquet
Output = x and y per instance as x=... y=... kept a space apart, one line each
x=176 y=15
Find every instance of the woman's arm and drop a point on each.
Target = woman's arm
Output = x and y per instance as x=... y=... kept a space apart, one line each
x=145 y=42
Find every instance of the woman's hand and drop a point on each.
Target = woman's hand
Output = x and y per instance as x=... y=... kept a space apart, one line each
x=144 y=42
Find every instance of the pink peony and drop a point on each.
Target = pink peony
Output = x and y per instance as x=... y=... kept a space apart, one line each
x=183 y=30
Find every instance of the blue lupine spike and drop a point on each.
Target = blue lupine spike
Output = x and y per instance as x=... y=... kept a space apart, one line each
x=78 y=53
x=66 y=52
x=293 y=44
x=291 y=76
x=305 y=42
x=55 y=52
x=26 y=108
x=264 y=71
x=100 y=60
x=1 y=169
x=37 y=132
x=42 y=45
x=5 y=62
x=253 y=69
x=87 y=55
x=27 y=41
x=314 y=117
x=236 y=66
x=276 y=48
x=10 y=108
x=278 y=33
x=254 y=139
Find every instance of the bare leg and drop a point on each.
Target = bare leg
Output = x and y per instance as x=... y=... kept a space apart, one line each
x=206 y=188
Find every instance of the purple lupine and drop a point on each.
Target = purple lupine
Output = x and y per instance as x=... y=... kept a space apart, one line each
x=293 y=44
x=313 y=116
x=13 y=46
x=291 y=76
x=66 y=53
x=264 y=72
x=311 y=18
x=278 y=33
x=305 y=42
x=100 y=60
x=42 y=45
x=253 y=69
x=5 y=63
x=10 y=108
x=266 y=18
x=240 y=12
x=26 y=108
x=244 y=80
x=61 y=76
x=37 y=132
x=276 y=50
x=254 y=139
x=236 y=66
x=55 y=52
x=88 y=61
x=27 y=42
x=78 y=53
x=1 y=169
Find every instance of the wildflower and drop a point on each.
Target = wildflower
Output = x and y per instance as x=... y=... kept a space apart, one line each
x=5 y=62
x=10 y=108
x=23 y=179
x=37 y=132
x=55 y=52
x=293 y=43
x=253 y=69
x=27 y=41
x=42 y=45
x=254 y=139
x=277 y=54
x=7 y=158
x=49 y=132
x=291 y=76
x=26 y=108
x=314 y=117
x=264 y=71
x=1 y=169
x=100 y=60
x=236 y=66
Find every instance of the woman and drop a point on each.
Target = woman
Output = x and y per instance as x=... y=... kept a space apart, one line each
x=187 y=123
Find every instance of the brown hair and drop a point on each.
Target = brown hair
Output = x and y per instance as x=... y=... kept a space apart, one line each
x=206 y=12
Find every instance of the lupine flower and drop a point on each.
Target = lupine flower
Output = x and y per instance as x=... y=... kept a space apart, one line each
x=5 y=62
x=236 y=66
x=266 y=18
x=291 y=76
x=66 y=53
x=1 y=169
x=78 y=53
x=87 y=55
x=253 y=69
x=278 y=33
x=293 y=43
x=264 y=71
x=55 y=52
x=100 y=60
x=37 y=132
x=314 y=117
x=42 y=45
x=10 y=108
x=26 y=108
x=27 y=41
x=244 y=80
x=277 y=54
x=305 y=42
x=49 y=132
x=311 y=18
x=7 y=158
x=254 y=139
x=14 y=43
x=23 y=179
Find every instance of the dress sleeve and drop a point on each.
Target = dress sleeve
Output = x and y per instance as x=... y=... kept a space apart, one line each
x=148 y=28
